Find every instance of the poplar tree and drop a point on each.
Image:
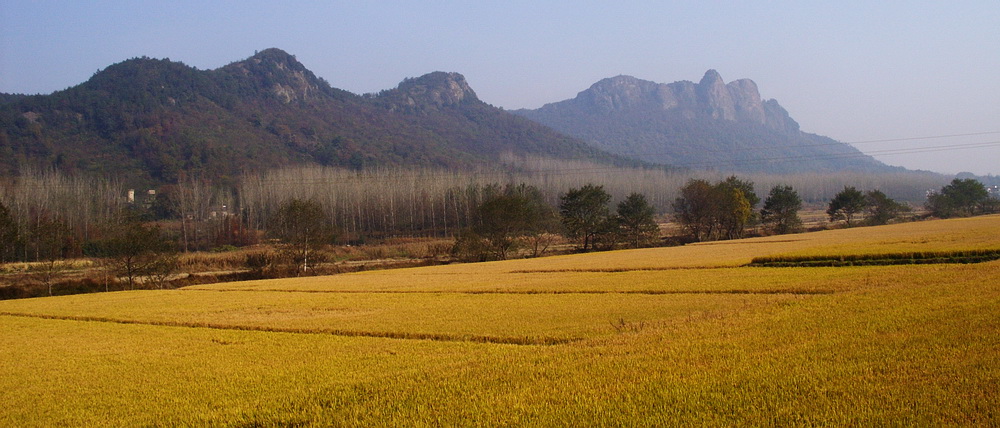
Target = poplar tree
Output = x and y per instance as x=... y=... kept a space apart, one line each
x=10 y=235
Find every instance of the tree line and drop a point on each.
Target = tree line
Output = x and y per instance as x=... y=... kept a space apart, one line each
x=46 y=216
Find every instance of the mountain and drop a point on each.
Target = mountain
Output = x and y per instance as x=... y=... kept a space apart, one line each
x=156 y=120
x=709 y=124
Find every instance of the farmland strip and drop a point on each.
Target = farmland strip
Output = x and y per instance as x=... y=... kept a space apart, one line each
x=888 y=259
x=525 y=292
x=335 y=332
x=621 y=270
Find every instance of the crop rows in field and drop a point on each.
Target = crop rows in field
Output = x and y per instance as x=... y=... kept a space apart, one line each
x=521 y=304
x=452 y=304
x=524 y=317
x=334 y=332
x=537 y=301
x=657 y=337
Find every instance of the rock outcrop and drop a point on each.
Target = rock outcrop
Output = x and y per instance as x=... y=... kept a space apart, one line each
x=738 y=101
x=430 y=92
x=280 y=74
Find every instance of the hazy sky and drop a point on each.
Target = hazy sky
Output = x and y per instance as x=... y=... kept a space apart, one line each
x=853 y=71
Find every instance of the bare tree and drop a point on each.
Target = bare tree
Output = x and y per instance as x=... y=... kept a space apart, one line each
x=133 y=249
x=303 y=227
x=10 y=235
x=51 y=241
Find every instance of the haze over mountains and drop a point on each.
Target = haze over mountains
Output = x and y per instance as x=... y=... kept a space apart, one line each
x=709 y=124
x=158 y=119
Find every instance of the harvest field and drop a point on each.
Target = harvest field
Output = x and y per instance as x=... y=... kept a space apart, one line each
x=663 y=336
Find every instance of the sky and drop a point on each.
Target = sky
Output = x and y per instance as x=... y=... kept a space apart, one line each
x=923 y=74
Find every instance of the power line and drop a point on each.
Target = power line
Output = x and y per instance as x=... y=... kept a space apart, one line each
x=924 y=138
x=425 y=176
x=847 y=155
x=834 y=143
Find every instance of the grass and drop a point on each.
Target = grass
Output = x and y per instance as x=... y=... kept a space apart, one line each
x=671 y=336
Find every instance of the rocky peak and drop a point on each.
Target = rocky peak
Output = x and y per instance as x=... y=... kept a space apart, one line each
x=747 y=104
x=431 y=91
x=714 y=97
x=711 y=78
x=276 y=56
x=618 y=93
x=711 y=97
x=279 y=73
x=777 y=117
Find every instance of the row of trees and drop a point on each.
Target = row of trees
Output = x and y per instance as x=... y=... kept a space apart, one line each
x=432 y=202
x=125 y=247
x=722 y=210
x=370 y=203
x=873 y=206
x=516 y=217
x=962 y=198
x=47 y=217
x=726 y=209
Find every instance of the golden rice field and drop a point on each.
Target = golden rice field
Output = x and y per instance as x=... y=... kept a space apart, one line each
x=655 y=337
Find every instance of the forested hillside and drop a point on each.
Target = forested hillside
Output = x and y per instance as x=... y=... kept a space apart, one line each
x=156 y=120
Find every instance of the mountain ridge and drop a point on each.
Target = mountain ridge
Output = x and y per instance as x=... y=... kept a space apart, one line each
x=161 y=119
x=706 y=124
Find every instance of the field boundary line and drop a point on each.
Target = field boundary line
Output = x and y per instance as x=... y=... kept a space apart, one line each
x=622 y=270
x=522 y=292
x=439 y=337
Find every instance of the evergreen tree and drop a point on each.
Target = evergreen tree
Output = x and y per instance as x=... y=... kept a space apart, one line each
x=882 y=209
x=846 y=204
x=635 y=217
x=961 y=198
x=585 y=213
x=781 y=210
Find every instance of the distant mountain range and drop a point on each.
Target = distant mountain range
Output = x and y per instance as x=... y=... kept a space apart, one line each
x=156 y=120
x=709 y=124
